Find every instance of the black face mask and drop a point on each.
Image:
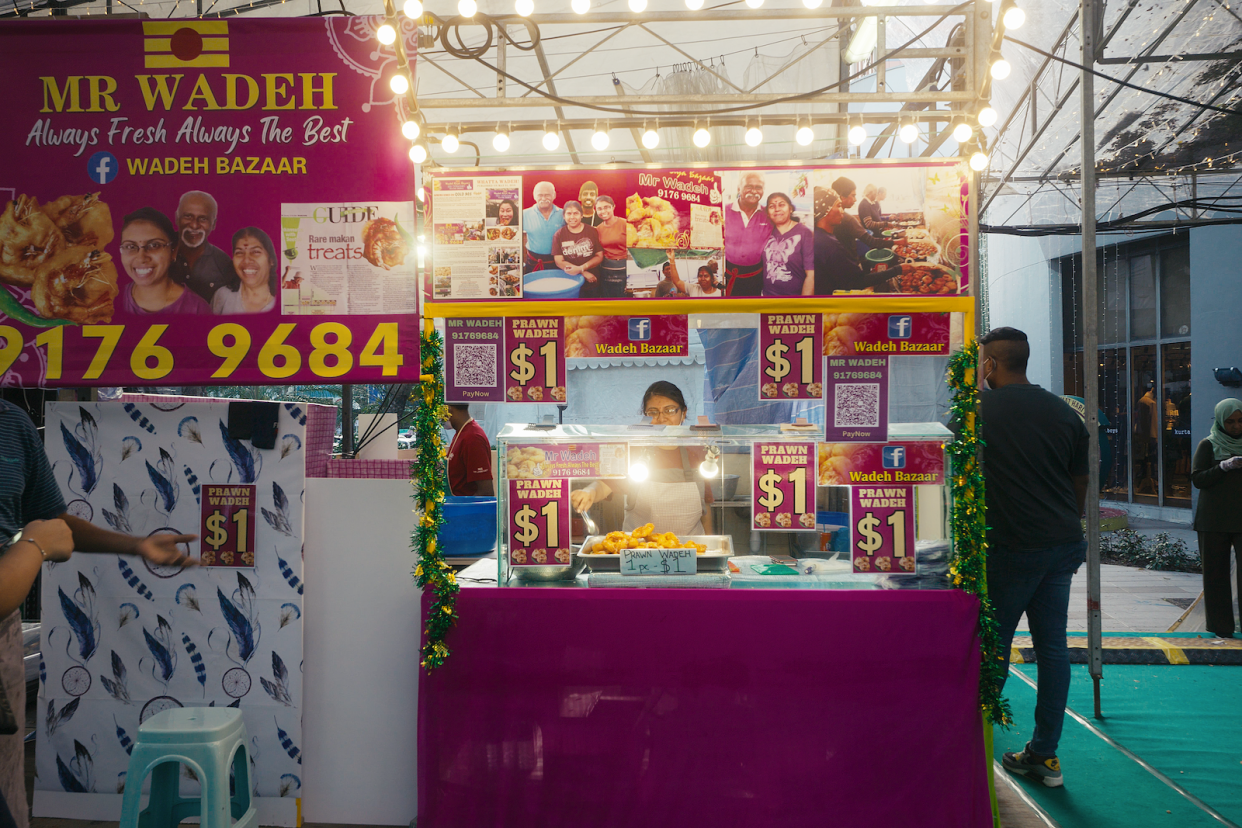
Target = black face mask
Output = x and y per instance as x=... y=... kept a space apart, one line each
x=987 y=386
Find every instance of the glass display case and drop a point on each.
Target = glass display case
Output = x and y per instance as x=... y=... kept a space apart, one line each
x=750 y=506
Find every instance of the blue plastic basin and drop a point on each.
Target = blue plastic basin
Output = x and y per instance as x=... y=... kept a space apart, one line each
x=469 y=526
x=532 y=290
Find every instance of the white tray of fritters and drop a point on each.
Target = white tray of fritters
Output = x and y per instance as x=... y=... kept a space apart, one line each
x=717 y=549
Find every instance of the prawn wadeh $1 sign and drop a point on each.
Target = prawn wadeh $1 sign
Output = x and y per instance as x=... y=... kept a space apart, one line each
x=535 y=359
x=790 y=365
x=228 y=525
x=539 y=522
x=783 y=497
x=883 y=529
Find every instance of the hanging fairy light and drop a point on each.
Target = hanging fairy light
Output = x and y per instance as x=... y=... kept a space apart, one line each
x=963 y=132
x=467 y=8
x=812 y=4
x=701 y=137
x=987 y=116
x=500 y=141
x=600 y=139
x=754 y=136
x=1000 y=69
x=386 y=34
x=524 y=8
x=754 y=4
x=651 y=138
x=694 y=5
x=551 y=139
x=979 y=162
x=805 y=135
x=857 y=134
x=399 y=83
x=1014 y=18
x=410 y=130
x=450 y=143
x=580 y=6
x=413 y=9
x=418 y=153
x=908 y=133
x=638 y=6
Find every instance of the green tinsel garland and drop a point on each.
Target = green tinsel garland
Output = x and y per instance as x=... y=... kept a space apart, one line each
x=429 y=487
x=969 y=565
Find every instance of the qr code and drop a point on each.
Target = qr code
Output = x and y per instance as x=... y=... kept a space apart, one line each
x=857 y=404
x=474 y=366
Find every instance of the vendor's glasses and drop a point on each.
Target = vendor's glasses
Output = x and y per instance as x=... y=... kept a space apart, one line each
x=153 y=246
x=667 y=411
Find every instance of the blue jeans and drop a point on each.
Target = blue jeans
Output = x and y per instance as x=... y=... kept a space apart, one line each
x=1037 y=582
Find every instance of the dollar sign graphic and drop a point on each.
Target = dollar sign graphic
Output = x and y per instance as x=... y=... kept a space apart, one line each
x=772 y=495
x=780 y=367
x=528 y=530
x=215 y=525
x=664 y=563
x=871 y=538
x=524 y=371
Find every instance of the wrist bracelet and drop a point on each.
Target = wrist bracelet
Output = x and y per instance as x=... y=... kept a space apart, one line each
x=38 y=546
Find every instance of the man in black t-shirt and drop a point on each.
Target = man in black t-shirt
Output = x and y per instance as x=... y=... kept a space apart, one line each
x=1035 y=471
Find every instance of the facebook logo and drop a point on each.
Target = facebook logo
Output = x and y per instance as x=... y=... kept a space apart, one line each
x=900 y=327
x=102 y=167
x=894 y=457
x=640 y=329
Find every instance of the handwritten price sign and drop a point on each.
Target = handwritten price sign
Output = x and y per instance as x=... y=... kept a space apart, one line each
x=539 y=522
x=535 y=359
x=883 y=533
x=790 y=366
x=200 y=350
x=784 y=486
x=228 y=525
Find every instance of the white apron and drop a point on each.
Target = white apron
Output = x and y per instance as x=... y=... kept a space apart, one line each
x=670 y=499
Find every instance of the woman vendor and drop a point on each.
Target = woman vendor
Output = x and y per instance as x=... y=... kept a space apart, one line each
x=674 y=497
x=577 y=250
x=611 y=230
x=834 y=269
x=1216 y=472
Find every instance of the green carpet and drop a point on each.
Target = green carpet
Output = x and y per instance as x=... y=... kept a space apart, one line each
x=1184 y=720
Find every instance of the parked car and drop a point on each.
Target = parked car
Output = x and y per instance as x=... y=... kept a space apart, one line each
x=406 y=441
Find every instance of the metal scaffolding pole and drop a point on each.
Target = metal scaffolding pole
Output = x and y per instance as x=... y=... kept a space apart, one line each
x=1090 y=344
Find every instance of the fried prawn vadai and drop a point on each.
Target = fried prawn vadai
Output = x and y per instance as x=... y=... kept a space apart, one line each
x=78 y=284
x=84 y=219
x=650 y=222
x=28 y=238
x=644 y=537
x=382 y=244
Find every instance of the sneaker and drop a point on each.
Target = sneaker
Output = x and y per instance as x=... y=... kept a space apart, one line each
x=1046 y=769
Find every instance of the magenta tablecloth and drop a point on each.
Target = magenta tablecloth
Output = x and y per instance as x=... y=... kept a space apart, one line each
x=635 y=707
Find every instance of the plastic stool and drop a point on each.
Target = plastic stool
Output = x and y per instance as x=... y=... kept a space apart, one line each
x=207 y=739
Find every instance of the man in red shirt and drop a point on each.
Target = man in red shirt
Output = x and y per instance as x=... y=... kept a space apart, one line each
x=469 y=456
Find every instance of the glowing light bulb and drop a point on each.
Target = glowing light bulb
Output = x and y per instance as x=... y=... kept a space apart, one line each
x=551 y=140
x=410 y=130
x=639 y=472
x=422 y=196
x=754 y=137
x=600 y=140
x=709 y=468
x=580 y=6
x=651 y=139
x=909 y=133
x=501 y=141
x=418 y=153
x=467 y=8
x=450 y=144
x=979 y=162
x=812 y=4
x=1014 y=18
x=702 y=137
x=399 y=83
x=987 y=116
x=413 y=9
x=1001 y=69
x=754 y=4
x=804 y=136
x=524 y=8
x=694 y=5
x=963 y=132
x=637 y=6
x=858 y=134
x=386 y=34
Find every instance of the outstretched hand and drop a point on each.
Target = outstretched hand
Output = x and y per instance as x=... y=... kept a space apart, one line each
x=163 y=550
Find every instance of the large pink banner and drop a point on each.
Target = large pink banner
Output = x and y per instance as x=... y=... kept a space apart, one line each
x=204 y=202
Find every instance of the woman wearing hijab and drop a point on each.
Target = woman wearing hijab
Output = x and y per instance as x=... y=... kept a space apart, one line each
x=1217 y=473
